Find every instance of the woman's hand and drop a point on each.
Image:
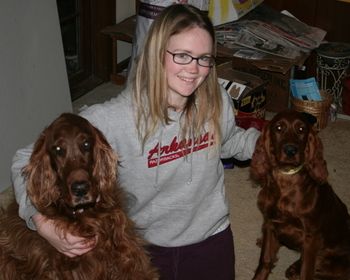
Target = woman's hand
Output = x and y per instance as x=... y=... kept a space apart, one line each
x=66 y=243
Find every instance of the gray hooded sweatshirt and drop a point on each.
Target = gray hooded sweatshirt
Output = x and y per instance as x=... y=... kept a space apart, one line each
x=176 y=200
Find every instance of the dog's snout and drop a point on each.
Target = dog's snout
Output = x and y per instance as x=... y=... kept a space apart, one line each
x=80 y=188
x=290 y=150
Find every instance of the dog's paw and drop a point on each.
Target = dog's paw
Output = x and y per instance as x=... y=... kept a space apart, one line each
x=293 y=272
x=259 y=242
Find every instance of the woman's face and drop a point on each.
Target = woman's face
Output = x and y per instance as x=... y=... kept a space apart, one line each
x=183 y=80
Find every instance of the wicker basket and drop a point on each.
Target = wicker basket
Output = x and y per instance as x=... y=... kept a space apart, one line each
x=319 y=109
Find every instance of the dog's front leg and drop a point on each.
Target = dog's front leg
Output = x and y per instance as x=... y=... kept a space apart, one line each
x=269 y=248
x=308 y=256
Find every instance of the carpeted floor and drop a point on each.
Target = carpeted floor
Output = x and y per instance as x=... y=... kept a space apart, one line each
x=245 y=217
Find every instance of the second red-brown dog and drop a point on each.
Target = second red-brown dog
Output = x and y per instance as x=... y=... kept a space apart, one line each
x=300 y=209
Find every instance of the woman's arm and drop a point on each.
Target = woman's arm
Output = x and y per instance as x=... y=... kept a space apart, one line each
x=236 y=141
x=19 y=161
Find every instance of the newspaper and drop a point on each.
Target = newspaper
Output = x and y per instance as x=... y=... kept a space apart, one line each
x=268 y=31
x=251 y=35
x=288 y=27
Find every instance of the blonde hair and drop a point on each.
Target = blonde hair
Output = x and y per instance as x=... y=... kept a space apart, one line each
x=150 y=81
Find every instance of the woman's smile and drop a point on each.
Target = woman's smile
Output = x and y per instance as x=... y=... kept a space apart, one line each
x=185 y=77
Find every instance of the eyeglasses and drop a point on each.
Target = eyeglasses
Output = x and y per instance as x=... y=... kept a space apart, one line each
x=184 y=58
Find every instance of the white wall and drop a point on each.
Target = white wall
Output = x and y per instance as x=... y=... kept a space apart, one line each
x=33 y=81
x=124 y=9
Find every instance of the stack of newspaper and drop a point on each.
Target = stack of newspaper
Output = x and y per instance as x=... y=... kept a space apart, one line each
x=268 y=31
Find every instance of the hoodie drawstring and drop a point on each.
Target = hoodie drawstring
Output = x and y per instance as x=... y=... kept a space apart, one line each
x=158 y=160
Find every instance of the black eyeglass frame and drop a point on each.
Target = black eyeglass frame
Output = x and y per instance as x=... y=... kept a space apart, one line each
x=212 y=63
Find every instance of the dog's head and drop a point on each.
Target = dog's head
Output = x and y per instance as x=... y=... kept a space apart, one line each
x=72 y=166
x=289 y=142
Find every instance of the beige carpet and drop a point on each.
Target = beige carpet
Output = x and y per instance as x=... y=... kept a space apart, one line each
x=246 y=219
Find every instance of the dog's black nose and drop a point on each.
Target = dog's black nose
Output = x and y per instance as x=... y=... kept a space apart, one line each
x=80 y=188
x=290 y=150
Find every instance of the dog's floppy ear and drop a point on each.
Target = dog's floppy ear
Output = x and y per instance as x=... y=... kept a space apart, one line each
x=314 y=161
x=311 y=119
x=105 y=160
x=260 y=163
x=40 y=177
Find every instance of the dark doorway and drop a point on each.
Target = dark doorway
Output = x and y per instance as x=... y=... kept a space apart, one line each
x=87 y=51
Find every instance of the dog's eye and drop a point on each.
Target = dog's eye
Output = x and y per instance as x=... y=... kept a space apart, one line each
x=58 y=150
x=278 y=127
x=301 y=129
x=86 y=146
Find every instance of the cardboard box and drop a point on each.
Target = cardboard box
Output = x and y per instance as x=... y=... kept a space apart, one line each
x=277 y=88
x=275 y=71
x=252 y=101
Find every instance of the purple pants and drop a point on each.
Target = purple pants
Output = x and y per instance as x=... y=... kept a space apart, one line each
x=210 y=259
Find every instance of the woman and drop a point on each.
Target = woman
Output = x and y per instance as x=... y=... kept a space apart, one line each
x=170 y=128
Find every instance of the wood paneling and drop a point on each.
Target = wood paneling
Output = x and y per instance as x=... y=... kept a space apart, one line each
x=330 y=15
x=301 y=9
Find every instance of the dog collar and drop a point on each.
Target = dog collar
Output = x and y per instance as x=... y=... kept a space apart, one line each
x=292 y=171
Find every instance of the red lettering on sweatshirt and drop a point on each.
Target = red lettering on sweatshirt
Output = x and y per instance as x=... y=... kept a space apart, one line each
x=176 y=149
